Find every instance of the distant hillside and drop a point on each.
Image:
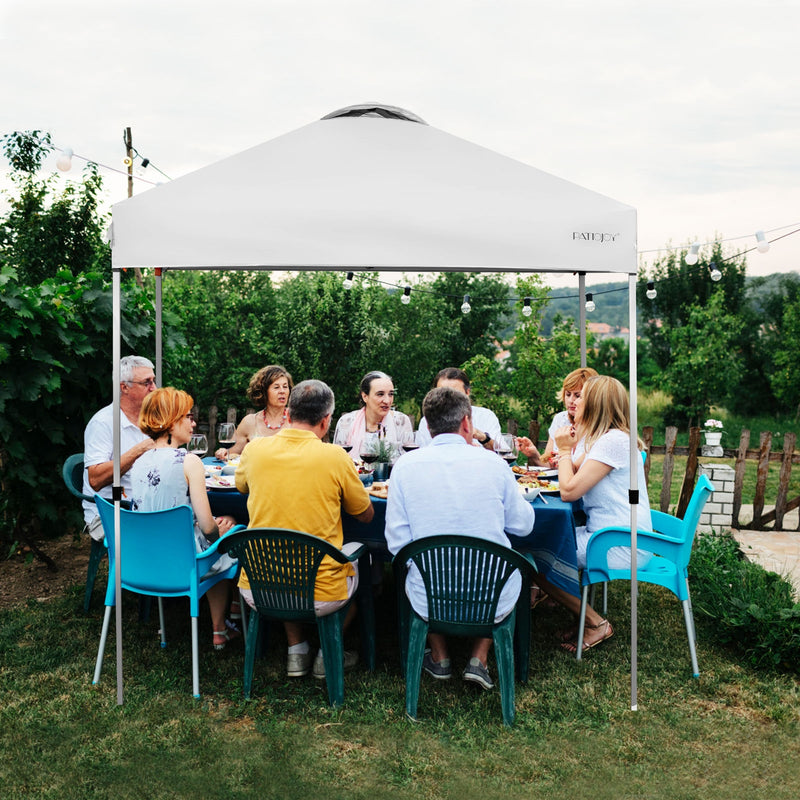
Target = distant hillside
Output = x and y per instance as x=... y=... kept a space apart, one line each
x=611 y=300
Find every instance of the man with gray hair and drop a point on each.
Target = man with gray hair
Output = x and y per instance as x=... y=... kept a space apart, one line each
x=297 y=481
x=451 y=487
x=136 y=381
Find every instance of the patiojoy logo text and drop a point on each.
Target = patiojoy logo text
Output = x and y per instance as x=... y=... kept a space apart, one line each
x=588 y=236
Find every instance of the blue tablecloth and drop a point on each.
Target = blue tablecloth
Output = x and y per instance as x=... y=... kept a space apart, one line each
x=551 y=542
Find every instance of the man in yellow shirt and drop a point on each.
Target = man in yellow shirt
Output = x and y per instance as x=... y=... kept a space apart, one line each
x=297 y=481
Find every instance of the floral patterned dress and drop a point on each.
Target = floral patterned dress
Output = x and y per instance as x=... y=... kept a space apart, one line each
x=158 y=483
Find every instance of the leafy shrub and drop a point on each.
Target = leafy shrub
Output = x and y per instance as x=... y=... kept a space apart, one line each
x=752 y=609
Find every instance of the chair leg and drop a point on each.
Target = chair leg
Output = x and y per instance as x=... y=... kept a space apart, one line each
x=687 y=616
x=332 y=641
x=96 y=553
x=582 y=622
x=366 y=613
x=522 y=636
x=504 y=655
x=417 y=634
x=245 y=609
x=101 y=649
x=250 y=649
x=161 y=622
x=691 y=611
x=605 y=598
x=195 y=657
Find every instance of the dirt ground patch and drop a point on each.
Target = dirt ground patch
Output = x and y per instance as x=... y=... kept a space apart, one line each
x=21 y=579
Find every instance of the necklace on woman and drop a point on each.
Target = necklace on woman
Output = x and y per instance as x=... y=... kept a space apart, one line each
x=274 y=427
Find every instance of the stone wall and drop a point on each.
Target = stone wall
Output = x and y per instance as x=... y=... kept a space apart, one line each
x=718 y=513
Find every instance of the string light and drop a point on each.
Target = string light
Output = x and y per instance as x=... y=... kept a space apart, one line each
x=590 y=306
x=651 y=292
x=405 y=298
x=347 y=283
x=64 y=161
x=692 y=257
x=465 y=306
x=526 y=307
x=716 y=275
x=762 y=245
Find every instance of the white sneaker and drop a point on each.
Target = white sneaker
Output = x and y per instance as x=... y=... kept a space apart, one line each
x=350 y=660
x=299 y=664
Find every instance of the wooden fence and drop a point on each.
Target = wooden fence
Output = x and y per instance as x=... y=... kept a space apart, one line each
x=763 y=456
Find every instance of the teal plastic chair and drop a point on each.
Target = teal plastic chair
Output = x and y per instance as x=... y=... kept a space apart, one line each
x=281 y=566
x=671 y=543
x=72 y=472
x=463 y=578
x=159 y=560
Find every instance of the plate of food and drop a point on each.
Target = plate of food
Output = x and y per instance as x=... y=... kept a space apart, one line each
x=544 y=485
x=379 y=490
x=221 y=482
x=539 y=472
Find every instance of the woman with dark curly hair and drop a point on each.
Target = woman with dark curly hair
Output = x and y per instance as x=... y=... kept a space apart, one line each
x=270 y=388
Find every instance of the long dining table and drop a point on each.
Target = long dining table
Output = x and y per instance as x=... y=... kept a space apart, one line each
x=551 y=542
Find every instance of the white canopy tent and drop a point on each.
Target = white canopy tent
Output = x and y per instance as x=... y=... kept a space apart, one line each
x=374 y=188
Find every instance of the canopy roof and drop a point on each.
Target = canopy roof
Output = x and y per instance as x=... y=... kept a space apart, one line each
x=373 y=187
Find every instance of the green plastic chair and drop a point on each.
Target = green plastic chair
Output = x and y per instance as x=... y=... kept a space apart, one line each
x=463 y=578
x=72 y=473
x=281 y=566
x=671 y=542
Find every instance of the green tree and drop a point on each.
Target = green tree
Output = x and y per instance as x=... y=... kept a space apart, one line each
x=705 y=361
x=610 y=357
x=539 y=364
x=45 y=231
x=786 y=377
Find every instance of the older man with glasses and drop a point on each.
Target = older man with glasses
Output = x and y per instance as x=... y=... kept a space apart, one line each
x=137 y=380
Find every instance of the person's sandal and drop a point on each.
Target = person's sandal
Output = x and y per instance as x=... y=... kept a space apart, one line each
x=236 y=611
x=538 y=595
x=230 y=634
x=572 y=646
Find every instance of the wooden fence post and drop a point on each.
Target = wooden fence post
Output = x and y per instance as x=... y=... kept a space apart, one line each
x=789 y=441
x=670 y=436
x=738 y=480
x=691 y=472
x=761 y=479
x=647 y=438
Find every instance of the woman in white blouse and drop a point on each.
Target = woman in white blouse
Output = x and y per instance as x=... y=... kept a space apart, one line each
x=599 y=441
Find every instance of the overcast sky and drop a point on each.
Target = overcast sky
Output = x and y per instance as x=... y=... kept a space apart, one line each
x=688 y=112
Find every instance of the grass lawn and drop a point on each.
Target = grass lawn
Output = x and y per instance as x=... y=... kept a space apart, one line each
x=732 y=732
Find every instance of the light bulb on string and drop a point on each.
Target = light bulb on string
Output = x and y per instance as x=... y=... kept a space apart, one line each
x=651 y=292
x=589 y=305
x=465 y=306
x=405 y=298
x=64 y=161
x=716 y=275
x=526 y=307
x=347 y=283
x=692 y=257
x=762 y=245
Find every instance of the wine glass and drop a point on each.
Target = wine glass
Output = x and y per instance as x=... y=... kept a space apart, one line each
x=505 y=445
x=410 y=441
x=226 y=434
x=369 y=452
x=341 y=437
x=198 y=444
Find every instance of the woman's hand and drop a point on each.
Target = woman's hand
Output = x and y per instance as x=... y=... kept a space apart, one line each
x=221 y=454
x=224 y=524
x=565 y=438
x=527 y=447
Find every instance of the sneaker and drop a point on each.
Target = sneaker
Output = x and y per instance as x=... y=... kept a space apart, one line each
x=350 y=660
x=477 y=673
x=437 y=669
x=299 y=664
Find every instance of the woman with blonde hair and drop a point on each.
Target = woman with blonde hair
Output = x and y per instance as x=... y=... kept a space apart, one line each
x=269 y=387
x=569 y=395
x=594 y=464
x=167 y=476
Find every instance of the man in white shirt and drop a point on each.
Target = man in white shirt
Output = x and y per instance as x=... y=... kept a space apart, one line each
x=452 y=487
x=485 y=425
x=137 y=380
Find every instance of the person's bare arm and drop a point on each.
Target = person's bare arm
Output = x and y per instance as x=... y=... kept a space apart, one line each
x=367 y=515
x=195 y=475
x=244 y=433
x=101 y=475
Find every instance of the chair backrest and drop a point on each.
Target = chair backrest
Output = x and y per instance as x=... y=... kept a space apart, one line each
x=685 y=529
x=281 y=567
x=72 y=473
x=150 y=538
x=463 y=577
